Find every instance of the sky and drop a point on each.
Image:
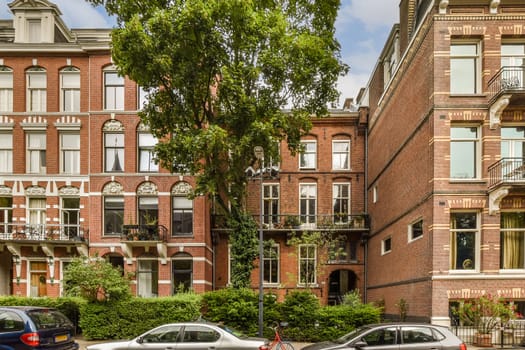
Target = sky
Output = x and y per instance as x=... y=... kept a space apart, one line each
x=361 y=28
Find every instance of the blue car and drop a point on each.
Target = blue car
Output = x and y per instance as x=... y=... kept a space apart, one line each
x=35 y=328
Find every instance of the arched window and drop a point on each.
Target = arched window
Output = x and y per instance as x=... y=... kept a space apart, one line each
x=113 y=196
x=70 y=89
x=6 y=89
x=181 y=210
x=36 y=82
x=113 y=146
x=113 y=89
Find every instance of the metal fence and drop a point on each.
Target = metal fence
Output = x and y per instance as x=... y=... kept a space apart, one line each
x=510 y=335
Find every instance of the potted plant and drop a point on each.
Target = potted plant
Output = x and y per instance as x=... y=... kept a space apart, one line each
x=292 y=221
x=485 y=313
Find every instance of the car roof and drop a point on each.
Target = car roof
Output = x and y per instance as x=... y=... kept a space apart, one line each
x=25 y=307
x=394 y=324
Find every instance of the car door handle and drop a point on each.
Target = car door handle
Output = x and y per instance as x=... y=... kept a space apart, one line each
x=170 y=348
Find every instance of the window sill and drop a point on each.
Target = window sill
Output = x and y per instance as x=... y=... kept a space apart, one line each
x=463 y=181
x=468 y=95
x=463 y=272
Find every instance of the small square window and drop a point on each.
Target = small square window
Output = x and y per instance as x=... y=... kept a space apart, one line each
x=386 y=245
x=415 y=230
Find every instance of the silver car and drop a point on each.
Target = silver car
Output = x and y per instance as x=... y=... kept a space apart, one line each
x=186 y=336
x=395 y=336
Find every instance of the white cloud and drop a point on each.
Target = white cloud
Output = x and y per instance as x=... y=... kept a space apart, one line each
x=81 y=14
x=372 y=14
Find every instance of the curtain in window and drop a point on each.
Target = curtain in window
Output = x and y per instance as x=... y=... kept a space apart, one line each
x=512 y=241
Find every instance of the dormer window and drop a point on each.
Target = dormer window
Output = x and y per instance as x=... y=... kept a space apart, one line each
x=34 y=30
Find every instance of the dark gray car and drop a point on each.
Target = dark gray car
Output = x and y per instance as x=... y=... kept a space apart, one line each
x=395 y=336
x=186 y=336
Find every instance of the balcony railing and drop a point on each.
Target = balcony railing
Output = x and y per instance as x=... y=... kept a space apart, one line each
x=509 y=171
x=144 y=233
x=507 y=79
x=304 y=222
x=41 y=232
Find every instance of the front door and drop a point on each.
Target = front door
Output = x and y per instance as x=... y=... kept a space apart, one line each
x=38 y=273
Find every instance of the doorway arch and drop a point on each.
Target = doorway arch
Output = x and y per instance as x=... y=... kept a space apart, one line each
x=340 y=283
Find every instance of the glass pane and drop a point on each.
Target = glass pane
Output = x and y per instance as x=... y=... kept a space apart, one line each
x=463 y=76
x=71 y=80
x=71 y=141
x=462 y=160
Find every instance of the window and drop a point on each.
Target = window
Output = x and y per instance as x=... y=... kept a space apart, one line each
x=383 y=336
x=113 y=215
x=463 y=241
x=6 y=89
x=414 y=335
x=391 y=60
x=182 y=216
x=199 y=334
x=36 y=153
x=386 y=245
x=374 y=194
x=148 y=211
x=308 y=203
x=341 y=203
x=271 y=204
x=165 y=334
x=341 y=155
x=464 y=152
x=142 y=97
x=308 y=157
x=271 y=264
x=36 y=218
x=146 y=144
x=148 y=278
x=342 y=250
x=34 y=30
x=6 y=152
x=512 y=152
x=415 y=230
x=10 y=322
x=70 y=153
x=182 y=265
x=114 y=149
x=70 y=89
x=512 y=240
x=70 y=216
x=512 y=62
x=6 y=214
x=113 y=91
x=307 y=264
x=36 y=90
x=116 y=261
x=464 y=68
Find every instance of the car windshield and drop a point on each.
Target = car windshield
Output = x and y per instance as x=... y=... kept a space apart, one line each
x=232 y=331
x=353 y=334
x=45 y=319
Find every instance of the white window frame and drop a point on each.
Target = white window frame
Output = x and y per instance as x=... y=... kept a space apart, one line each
x=306 y=217
x=190 y=208
x=6 y=152
x=36 y=96
x=519 y=230
x=34 y=30
x=477 y=242
x=341 y=217
x=308 y=157
x=146 y=276
x=70 y=89
x=477 y=151
x=270 y=217
x=146 y=148
x=338 y=155
x=36 y=154
x=114 y=91
x=309 y=261
x=69 y=154
x=457 y=58
x=6 y=89
x=385 y=249
x=118 y=149
x=411 y=231
x=274 y=262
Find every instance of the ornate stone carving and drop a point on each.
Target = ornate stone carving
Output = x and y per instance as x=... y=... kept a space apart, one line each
x=147 y=188
x=181 y=188
x=497 y=109
x=35 y=191
x=6 y=191
x=113 y=125
x=68 y=191
x=113 y=188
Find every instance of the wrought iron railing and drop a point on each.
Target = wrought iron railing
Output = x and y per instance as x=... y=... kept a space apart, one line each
x=304 y=222
x=41 y=232
x=507 y=79
x=507 y=171
x=144 y=233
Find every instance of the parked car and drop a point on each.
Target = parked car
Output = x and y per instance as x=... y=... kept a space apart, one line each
x=399 y=336
x=35 y=328
x=187 y=336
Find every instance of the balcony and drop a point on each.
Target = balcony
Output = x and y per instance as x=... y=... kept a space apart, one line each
x=506 y=87
x=293 y=222
x=45 y=236
x=145 y=236
x=505 y=175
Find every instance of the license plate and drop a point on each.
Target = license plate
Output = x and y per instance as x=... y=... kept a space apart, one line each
x=61 y=338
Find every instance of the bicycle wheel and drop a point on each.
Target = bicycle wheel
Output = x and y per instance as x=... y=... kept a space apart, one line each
x=283 y=345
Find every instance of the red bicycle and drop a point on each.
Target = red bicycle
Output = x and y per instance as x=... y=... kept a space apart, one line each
x=278 y=343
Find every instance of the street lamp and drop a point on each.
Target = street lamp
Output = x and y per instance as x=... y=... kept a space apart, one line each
x=259 y=154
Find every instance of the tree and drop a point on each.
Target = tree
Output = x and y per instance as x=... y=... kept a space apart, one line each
x=95 y=280
x=218 y=74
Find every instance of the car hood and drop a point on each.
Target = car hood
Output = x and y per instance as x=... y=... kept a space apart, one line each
x=325 y=345
x=123 y=344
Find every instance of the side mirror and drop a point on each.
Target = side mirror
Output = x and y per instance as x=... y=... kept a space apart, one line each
x=360 y=344
x=140 y=340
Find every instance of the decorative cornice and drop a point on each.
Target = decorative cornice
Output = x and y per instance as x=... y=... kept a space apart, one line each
x=67 y=122
x=35 y=191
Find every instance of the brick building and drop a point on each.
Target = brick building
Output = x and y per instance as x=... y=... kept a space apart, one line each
x=446 y=113
x=77 y=178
